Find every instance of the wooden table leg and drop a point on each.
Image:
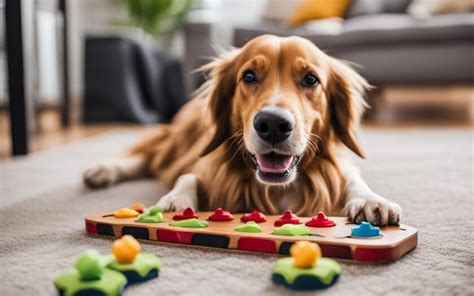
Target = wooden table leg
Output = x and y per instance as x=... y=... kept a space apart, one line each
x=16 y=77
x=65 y=111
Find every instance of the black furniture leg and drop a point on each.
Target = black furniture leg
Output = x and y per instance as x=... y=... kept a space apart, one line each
x=65 y=111
x=16 y=79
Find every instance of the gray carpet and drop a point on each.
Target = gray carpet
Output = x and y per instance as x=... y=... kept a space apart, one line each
x=428 y=172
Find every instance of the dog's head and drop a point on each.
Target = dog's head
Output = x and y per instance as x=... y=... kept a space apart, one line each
x=283 y=99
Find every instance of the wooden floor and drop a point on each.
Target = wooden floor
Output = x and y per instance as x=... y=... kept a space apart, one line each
x=49 y=133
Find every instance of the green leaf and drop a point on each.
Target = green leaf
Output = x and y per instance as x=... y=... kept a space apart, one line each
x=157 y=16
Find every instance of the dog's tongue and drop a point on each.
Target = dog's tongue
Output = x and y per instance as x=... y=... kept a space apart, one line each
x=274 y=163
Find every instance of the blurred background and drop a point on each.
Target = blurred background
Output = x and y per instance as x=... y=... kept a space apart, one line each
x=72 y=69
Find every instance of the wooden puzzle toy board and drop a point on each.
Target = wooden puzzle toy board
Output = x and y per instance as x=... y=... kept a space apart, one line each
x=336 y=240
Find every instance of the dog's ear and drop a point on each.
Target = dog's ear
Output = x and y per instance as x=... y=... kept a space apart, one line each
x=346 y=90
x=220 y=89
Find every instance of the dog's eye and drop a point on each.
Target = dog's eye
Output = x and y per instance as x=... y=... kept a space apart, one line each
x=249 y=76
x=310 y=80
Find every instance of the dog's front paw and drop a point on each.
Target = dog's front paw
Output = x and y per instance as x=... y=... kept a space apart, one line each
x=174 y=202
x=376 y=210
x=101 y=175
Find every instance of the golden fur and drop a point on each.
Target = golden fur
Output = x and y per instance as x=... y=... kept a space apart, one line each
x=207 y=137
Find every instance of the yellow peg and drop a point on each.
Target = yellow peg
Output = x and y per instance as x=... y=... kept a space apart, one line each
x=125 y=213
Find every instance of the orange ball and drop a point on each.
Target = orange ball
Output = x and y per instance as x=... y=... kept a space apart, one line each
x=126 y=249
x=305 y=254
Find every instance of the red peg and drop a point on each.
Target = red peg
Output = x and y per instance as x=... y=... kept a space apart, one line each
x=287 y=218
x=320 y=220
x=188 y=213
x=220 y=215
x=254 y=216
x=138 y=207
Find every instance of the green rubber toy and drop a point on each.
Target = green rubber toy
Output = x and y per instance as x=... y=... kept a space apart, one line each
x=91 y=277
x=144 y=267
x=292 y=230
x=250 y=226
x=190 y=223
x=322 y=275
x=89 y=266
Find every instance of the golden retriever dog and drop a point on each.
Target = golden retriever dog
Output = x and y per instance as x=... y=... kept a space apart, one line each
x=266 y=131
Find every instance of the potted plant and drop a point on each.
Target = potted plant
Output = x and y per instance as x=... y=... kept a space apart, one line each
x=158 y=18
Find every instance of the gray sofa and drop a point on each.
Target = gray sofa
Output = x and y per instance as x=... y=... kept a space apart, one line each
x=390 y=48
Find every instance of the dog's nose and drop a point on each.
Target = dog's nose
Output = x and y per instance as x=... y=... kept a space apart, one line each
x=274 y=125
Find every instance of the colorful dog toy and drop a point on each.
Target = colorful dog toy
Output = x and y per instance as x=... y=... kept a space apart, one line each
x=94 y=274
x=305 y=269
x=90 y=277
x=136 y=267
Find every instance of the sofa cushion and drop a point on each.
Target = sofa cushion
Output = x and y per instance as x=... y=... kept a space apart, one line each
x=381 y=21
x=318 y=9
x=423 y=9
x=377 y=29
x=363 y=7
x=441 y=63
x=396 y=6
x=278 y=10
x=399 y=28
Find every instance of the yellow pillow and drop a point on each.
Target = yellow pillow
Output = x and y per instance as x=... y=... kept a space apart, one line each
x=318 y=9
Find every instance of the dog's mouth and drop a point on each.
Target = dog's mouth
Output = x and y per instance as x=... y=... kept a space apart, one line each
x=274 y=168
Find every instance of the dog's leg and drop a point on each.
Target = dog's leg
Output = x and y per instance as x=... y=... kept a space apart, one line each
x=362 y=204
x=182 y=196
x=115 y=170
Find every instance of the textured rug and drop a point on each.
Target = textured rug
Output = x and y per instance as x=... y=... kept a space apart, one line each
x=429 y=172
